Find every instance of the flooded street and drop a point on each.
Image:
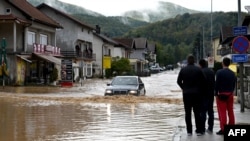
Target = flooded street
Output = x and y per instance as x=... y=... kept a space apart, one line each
x=82 y=113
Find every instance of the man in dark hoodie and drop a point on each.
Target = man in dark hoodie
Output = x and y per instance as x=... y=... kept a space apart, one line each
x=208 y=97
x=192 y=82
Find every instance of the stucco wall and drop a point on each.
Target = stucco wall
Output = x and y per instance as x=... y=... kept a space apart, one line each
x=67 y=37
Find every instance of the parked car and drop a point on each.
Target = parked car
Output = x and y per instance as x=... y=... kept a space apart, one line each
x=125 y=85
x=170 y=67
x=146 y=72
x=155 y=69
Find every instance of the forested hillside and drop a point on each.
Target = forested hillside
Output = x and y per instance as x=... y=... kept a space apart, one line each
x=111 y=26
x=176 y=37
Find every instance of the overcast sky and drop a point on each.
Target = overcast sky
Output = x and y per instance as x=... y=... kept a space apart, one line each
x=117 y=7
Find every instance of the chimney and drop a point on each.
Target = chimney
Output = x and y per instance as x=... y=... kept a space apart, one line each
x=98 y=29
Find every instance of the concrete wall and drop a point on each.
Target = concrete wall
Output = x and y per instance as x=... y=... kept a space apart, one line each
x=72 y=31
x=119 y=51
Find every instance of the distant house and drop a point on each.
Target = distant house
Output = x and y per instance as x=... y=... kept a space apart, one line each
x=216 y=49
x=124 y=47
x=226 y=38
x=138 y=56
x=140 y=53
x=151 y=54
x=130 y=44
x=76 y=41
x=104 y=47
x=27 y=31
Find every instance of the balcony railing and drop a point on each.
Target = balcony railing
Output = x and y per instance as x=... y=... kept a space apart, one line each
x=79 y=55
x=225 y=51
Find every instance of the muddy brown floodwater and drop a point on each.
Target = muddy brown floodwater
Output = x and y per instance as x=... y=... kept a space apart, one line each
x=82 y=113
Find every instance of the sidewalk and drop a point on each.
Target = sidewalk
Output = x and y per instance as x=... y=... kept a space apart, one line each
x=181 y=134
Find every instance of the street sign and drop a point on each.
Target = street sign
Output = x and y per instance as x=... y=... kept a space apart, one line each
x=237 y=58
x=240 y=44
x=240 y=30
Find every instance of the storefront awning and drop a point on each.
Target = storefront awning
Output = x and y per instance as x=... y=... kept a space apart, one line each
x=49 y=58
x=25 y=58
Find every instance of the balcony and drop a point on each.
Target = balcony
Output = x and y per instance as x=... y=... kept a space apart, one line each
x=79 y=55
x=225 y=51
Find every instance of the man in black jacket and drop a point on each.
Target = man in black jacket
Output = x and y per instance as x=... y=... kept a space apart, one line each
x=192 y=81
x=208 y=97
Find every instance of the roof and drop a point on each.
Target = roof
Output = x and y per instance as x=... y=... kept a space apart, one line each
x=246 y=21
x=140 y=43
x=11 y=17
x=105 y=38
x=122 y=44
x=33 y=13
x=126 y=41
x=65 y=15
x=225 y=34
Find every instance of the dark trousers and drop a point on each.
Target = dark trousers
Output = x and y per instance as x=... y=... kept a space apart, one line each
x=192 y=103
x=207 y=111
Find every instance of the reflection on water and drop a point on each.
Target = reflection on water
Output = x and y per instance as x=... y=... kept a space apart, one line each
x=47 y=120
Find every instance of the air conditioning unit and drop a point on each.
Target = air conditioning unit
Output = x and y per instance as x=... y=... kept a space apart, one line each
x=8 y=11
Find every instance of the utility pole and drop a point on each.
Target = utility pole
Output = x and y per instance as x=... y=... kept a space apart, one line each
x=203 y=47
x=211 y=20
x=242 y=99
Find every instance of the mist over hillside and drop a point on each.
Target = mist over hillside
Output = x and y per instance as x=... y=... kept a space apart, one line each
x=164 y=10
x=65 y=7
x=115 y=26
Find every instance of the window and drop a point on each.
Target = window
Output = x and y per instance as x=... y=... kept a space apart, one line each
x=31 y=38
x=43 y=39
x=8 y=11
x=107 y=51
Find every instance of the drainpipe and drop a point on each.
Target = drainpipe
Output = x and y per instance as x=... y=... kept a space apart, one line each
x=14 y=37
x=102 y=60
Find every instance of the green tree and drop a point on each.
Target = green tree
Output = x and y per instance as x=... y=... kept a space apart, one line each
x=120 y=66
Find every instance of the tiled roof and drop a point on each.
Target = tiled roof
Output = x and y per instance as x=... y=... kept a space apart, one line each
x=126 y=41
x=11 y=17
x=120 y=43
x=65 y=15
x=226 y=33
x=140 y=43
x=33 y=13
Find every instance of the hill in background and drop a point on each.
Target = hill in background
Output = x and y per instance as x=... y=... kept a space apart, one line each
x=165 y=10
